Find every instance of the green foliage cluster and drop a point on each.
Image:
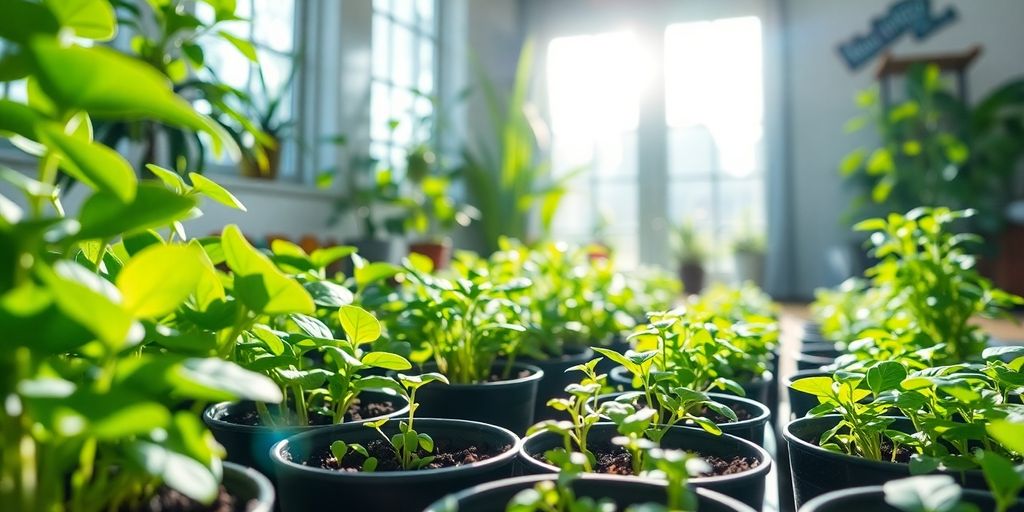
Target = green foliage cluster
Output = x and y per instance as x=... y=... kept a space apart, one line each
x=936 y=149
x=923 y=292
x=964 y=416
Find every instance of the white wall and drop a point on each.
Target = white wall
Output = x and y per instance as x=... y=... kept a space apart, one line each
x=820 y=90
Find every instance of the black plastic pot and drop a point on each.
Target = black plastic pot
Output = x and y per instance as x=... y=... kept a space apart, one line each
x=750 y=429
x=813 y=356
x=507 y=403
x=799 y=402
x=249 y=487
x=747 y=487
x=624 y=491
x=249 y=445
x=303 y=488
x=816 y=470
x=812 y=333
x=872 y=498
x=555 y=378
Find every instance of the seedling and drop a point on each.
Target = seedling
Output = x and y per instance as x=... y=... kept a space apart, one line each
x=935 y=493
x=407 y=443
x=578 y=405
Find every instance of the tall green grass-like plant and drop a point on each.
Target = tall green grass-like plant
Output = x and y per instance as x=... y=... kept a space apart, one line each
x=508 y=180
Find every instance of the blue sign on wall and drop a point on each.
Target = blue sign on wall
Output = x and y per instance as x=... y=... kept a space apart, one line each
x=914 y=16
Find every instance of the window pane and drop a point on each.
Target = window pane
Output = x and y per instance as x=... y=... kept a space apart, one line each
x=381 y=44
x=691 y=151
x=425 y=10
x=404 y=11
x=380 y=115
x=401 y=112
x=403 y=56
x=273 y=24
x=425 y=83
x=615 y=155
x=741 y=203
x=690 y=201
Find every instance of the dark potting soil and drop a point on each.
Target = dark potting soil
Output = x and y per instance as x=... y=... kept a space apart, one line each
x=169 y=500
x=446 y=454
x=356 y=412
x=615 y=460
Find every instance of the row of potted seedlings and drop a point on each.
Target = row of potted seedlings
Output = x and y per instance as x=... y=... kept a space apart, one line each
x=902 y=382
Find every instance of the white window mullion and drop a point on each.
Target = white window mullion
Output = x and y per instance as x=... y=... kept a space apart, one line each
x=652 y=153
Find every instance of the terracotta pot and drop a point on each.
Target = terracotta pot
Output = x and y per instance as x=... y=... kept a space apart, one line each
x=251 y=169
x=439 y=252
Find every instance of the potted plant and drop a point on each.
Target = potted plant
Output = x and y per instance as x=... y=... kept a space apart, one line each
x=592 y=493
x=430 y=210
x=259 y=128
x=462 y=328
x=866 y=446
x=748 y=249
x=96 y=416
x=335 y=388
x=397 y=464
x=169 y=37
x=370 y=194
x=737 y=468
x=692 y=253
x=935 y=493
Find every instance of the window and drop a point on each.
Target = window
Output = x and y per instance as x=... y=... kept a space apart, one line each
x=714 y=109
x=712 y=112
x=272 y=31
x=598 y=144
x=403 y=77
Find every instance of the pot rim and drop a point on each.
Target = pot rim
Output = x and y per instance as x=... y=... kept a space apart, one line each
x=610 y=479
x=762 y=469
x=211 y=419
x=815 y=504
x=796 y=441
x=763 y=413
x=265 y=493
x=535 y=375
x=279 y=448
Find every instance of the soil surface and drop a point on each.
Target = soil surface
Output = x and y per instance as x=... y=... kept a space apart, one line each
x=446 y=454
x=169 y=500
x=356 y=412
x=615 y=460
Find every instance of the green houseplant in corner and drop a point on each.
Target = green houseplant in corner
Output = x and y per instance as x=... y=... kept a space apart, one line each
x=94 y=420
x=691 y=250
x=398 y=464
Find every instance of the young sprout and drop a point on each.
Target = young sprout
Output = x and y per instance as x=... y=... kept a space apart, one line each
x=407 y=443
x=581 y=417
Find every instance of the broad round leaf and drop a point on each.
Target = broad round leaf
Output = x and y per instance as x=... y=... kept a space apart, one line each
x=386 y=360
x=159 y=279
x=359 y=325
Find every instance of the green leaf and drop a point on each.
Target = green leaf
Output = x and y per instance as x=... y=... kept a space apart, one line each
x=170 y=178
x=322 y=258
x=105 y=216
x=244 y=47
x=1003 y=479
x=885 y=376
x=1009 y=433
x=932 y=493
x=359 y=325
x=386 y=360
x=108 y=84
x=216 y=379
x=213 y=190
x=18 y=118
x=329 y=295
x=312 y=327
x=92 y=163
x=159 y=279
x=23 y=20
x=259 y=284
x=374 y=272
x=91 y=19
x=817 y=386
x=92 y=302
x=270 y=338
x=339 y=449
x=179 y=472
